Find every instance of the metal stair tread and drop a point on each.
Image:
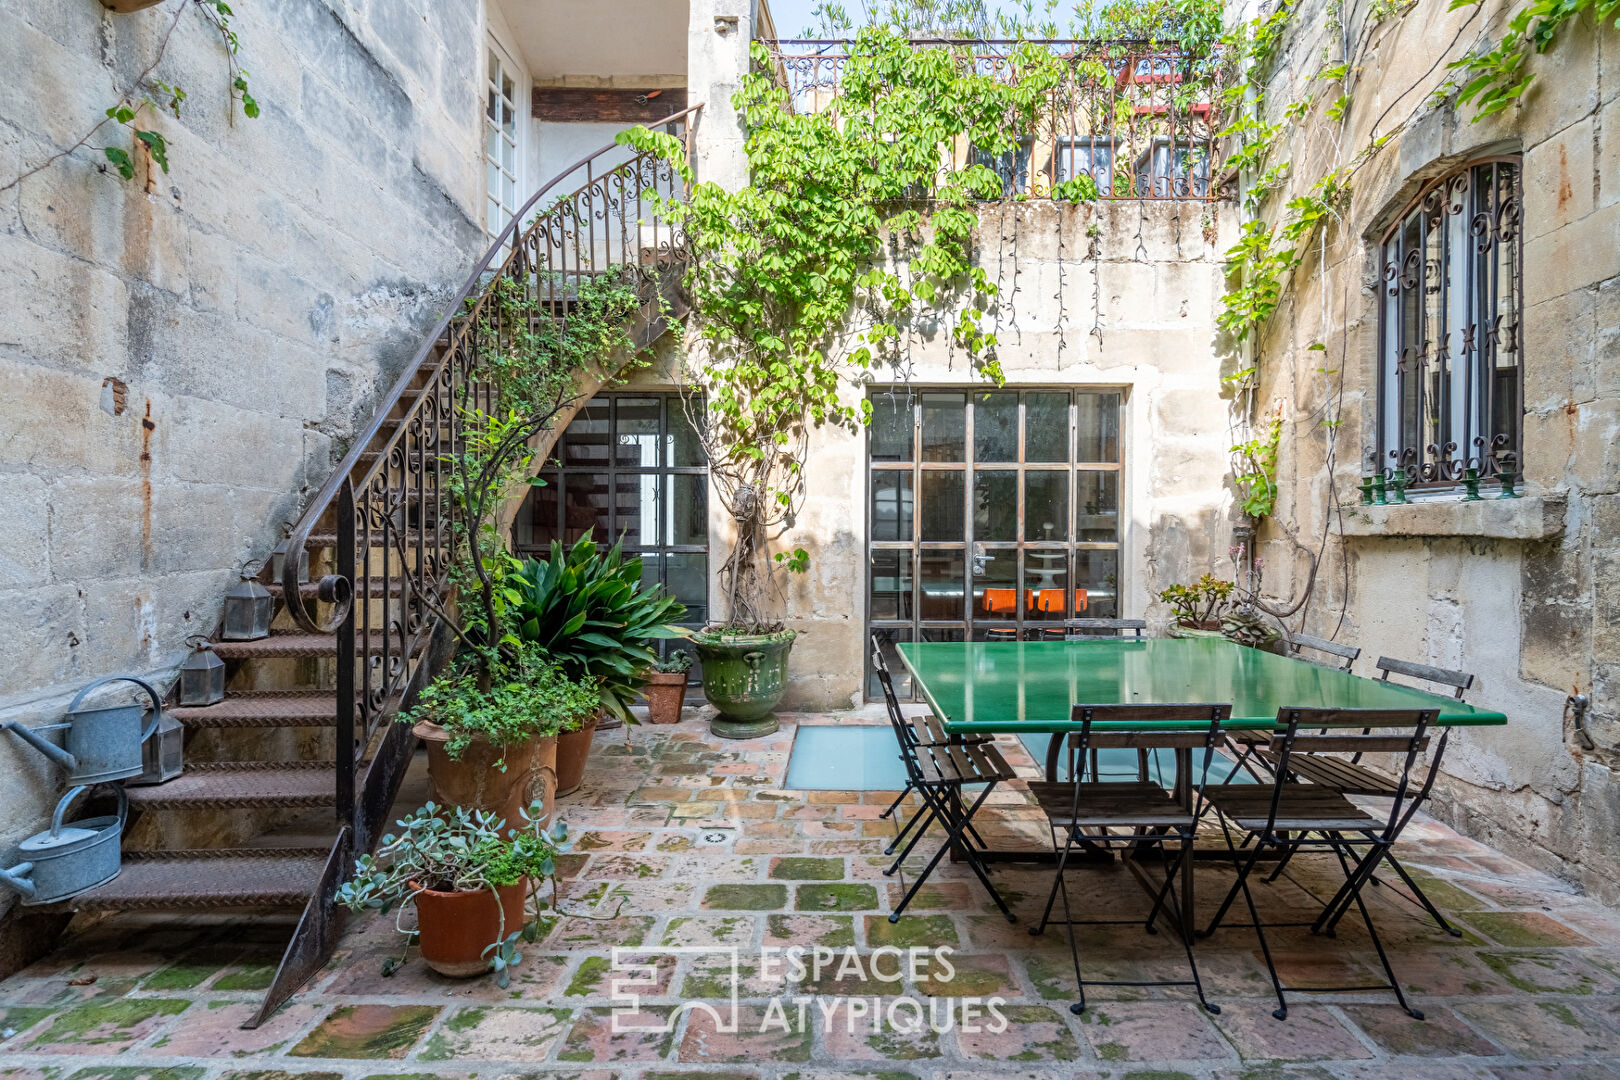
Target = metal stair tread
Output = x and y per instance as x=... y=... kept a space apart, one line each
x=284 y=708
x=296 y=644
x=207 y=879
x=236 y=785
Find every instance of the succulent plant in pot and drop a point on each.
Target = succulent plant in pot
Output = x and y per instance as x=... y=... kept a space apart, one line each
x=495 y=749
x=1197 y=606
x=666 y=687
x=468 y=875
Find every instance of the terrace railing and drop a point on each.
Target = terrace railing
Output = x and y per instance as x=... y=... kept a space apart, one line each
x=1141 y=120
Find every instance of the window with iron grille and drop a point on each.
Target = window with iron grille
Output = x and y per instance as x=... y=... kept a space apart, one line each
x=1450 y=387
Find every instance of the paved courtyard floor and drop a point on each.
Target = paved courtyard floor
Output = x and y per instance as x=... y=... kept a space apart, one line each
x=687 y=846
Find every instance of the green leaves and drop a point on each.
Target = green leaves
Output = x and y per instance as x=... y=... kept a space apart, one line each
x=1493 y=80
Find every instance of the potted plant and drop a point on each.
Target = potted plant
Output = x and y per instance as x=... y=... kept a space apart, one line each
x=496 y=749
x=467 y=875
x=589 y=612
x=666 y=687
x=1198 y=606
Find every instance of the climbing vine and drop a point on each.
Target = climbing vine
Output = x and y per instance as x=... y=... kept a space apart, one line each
x=795 y=289
x=1495 y=79
x=129 y=112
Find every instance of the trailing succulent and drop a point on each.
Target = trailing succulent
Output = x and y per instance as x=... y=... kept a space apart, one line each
x=451 y=849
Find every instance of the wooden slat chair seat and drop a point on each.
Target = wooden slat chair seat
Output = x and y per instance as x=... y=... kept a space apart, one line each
x=1111 y=805
x=1286 y=817
x=928 y=731
x=1140 y=814
x=964 y=763
x=1345 y=777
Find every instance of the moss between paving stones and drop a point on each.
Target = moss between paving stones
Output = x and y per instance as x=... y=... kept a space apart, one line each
x=746 y=897
x=795 y=868
x=1522 y=929
x=840 y=935
x=283 y=1074
x=393 y=1039
x=919 y=931
x=258 y=977
x=18 y=1019
x=1513 y=967
x=179 y=977
x=138 y=1072
x=840 y=897
x=120 y=1016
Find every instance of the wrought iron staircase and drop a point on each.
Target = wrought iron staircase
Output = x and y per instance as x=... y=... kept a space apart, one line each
x=356 y=640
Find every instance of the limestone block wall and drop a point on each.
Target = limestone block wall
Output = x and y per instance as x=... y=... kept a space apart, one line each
x=182 y=356
x=1525 y=595
x=1118 y=295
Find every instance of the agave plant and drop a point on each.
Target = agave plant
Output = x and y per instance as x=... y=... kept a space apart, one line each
x=588 y=611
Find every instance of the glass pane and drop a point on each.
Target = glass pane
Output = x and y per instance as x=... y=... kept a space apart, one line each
x=1097 y=419
x=585 y=500
x=1046 y=427
x=888 y=637
x=944 y=427
x=942 y=512
x=494 y=68
x=891 y=505
x=1046 y=583
x=636 y=504
x=995 y=594
x=1096 y=581
x=636 y=437
x=536 y=524
x=508 y=192
x=941 y=577
x=891 y=585
x=492 y=106
x=688 y=519
x=682 y=440
x=687 y=579
x=509 y=155
x=995 y=505
x=585 y=440
x=890 y=432
x=492 y=180
x=1046 y=506
x=995 y=428
x=1096 y=498
x=492 y=142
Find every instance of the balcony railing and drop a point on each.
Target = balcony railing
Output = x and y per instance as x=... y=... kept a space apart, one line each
x=1141 y=120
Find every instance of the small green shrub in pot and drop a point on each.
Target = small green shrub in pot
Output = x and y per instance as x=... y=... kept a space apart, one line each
x=531 y=698
x=1198 y=606
x=466 y=873
x=589 y=612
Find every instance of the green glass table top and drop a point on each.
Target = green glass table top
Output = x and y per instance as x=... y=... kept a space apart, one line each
x=1032 y=685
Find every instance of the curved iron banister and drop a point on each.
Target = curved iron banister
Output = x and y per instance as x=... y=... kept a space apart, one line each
x=458 y=319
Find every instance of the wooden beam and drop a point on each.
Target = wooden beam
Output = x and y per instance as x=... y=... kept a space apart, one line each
x=576 y=104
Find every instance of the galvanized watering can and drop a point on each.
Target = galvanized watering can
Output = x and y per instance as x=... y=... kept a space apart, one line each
x=65 y=860
x=101 y=744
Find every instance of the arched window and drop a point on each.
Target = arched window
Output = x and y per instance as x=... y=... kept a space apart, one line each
x=1450 y=344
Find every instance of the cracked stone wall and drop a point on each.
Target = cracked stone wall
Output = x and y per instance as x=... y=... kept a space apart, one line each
x=1524 y=595
x=182 y=356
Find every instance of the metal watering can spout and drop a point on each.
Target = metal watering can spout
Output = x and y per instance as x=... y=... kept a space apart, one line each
x=33 y=738
x=17 y=878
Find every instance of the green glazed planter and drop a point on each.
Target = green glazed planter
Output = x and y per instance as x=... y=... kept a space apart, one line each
x=743 y=677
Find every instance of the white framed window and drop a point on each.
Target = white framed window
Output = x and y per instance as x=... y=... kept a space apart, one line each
x=501 y=140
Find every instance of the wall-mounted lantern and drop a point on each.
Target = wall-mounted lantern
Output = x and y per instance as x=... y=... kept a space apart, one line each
x=248 y=608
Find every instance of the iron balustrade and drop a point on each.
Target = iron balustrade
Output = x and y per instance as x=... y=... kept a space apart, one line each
x=387 y=511
x=1142 y=120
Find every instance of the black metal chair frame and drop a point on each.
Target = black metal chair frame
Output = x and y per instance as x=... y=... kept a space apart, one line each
x=1154 y=817
x=1290 y=828
x=942 y=794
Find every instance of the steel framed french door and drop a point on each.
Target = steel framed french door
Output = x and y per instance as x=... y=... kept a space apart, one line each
x=991 y=515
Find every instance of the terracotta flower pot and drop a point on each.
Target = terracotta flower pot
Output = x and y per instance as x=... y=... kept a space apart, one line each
x=456 y=927
x=666 y=693
x=573 y=747
x=475 y=782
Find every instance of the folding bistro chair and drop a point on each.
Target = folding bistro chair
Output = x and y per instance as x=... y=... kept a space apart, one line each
x=1355 y=779
x=1081 y=629
x=1344 y=655
x=1286 y=816
x=926 y=731
x=1137 y=814
x=939 y=773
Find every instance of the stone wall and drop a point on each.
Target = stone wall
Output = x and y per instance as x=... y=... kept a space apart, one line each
x=182 y=356
x=1525 y=595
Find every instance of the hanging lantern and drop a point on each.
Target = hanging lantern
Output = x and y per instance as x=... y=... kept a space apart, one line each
x=248 y=607
x=162 y=755
x=202 y=676
x=278 y=564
